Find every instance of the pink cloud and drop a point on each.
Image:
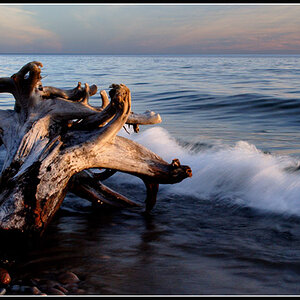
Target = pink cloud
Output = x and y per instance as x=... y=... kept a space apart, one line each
x=18 y=27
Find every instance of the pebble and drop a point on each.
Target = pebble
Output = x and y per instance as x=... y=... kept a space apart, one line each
x=71 y=287
x=54 y=291
x=77 y=292
x=4 y=276
x=61 y=288
x=2 y=291
x=80 y=292
x=44 y=284
x=35 y=291
x=65 y=284
x=15 y=288
x=68 y=277
x=24 y=290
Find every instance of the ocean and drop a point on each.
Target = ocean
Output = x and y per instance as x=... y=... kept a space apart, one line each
x=234 y=226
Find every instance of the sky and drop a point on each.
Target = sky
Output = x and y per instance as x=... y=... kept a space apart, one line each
x=150 y=29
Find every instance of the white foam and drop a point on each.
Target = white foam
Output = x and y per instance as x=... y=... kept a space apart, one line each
x=240 y=174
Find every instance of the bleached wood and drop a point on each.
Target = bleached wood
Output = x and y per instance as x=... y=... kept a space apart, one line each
x=53 y=136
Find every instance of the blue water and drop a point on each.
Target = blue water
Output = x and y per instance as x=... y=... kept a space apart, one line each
x=233 y=228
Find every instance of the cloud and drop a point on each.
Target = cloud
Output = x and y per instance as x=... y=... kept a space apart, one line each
x=201 y=28
x=20 y=30
x=253 y=28
x=125 y=29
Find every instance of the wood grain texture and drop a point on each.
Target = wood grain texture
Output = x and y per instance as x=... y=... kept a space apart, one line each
x=54 y=136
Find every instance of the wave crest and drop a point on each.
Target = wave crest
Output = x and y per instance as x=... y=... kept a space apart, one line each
x=240 y=174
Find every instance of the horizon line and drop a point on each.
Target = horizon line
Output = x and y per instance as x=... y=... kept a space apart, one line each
x=146 y=54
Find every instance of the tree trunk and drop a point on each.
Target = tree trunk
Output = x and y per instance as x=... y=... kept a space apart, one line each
x=54 y=139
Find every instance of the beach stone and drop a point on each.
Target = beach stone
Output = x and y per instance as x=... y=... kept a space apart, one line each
x=24 y=290
x=71 y=287
x=4 y=277
x=35 y=291
x=68 y=277
x=15 y=288
x=2 y=291
x=44 y=283
x=54 y=291
x=77 y=291
x=80 y=292
x=61 y=288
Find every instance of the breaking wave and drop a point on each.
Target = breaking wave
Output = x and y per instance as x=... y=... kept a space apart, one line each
x=239 y=174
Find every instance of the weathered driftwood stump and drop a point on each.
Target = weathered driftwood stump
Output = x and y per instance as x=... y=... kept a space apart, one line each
x=53 y=137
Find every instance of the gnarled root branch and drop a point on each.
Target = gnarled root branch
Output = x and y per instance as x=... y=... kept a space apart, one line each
x=86 y=185
x=76 y=94
x=53 y=136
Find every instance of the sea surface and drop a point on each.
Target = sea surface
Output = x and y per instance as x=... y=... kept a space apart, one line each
x=234 y=227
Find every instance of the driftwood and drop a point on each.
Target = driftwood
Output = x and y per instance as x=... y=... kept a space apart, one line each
x=55 y=141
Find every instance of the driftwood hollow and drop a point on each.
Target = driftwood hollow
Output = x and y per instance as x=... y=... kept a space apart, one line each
x=55 y=140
